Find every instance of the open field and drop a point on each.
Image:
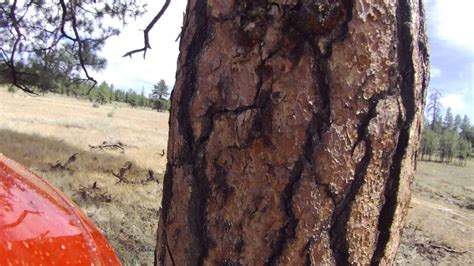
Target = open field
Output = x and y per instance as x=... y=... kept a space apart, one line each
x=38 y=131
x=440 y=228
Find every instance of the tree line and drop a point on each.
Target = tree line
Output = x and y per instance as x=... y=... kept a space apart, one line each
x=446 y=139
x=105 y=93
x=56 y=82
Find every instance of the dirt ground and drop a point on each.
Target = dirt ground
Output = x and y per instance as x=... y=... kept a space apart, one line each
x=39 y=131
x=440 y=228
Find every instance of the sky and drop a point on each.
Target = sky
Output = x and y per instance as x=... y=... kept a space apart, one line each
x=450 y=31
x=160 y=62
x=451 y=38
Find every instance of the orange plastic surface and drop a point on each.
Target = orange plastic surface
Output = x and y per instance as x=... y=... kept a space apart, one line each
x=41 y=226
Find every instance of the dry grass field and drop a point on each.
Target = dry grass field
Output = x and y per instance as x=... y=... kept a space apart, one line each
x=440 y=228
x=39 y=131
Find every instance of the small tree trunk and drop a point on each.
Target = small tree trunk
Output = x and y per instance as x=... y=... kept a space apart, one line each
x=293 y=132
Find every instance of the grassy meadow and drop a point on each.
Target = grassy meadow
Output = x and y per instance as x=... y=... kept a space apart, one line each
x=38 y=131
x=440 y=226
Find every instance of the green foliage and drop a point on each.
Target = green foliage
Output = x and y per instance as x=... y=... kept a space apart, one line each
x=103 y=93
x=132 y=98
x=48 y=45
x=142 y=99
x=160 y=90
x=448 y=146
x=469 y=135
x=161 y=104
x=119 y=96
x=11 y=89
x=52 y=46
x=454 y=141
x=465 y=125
x=448 y=122
x=464 y=150
x=429 y=143
x=159 y=96
x=4 y=74
x=52 y=70
x=457 y=123
x=106 y=94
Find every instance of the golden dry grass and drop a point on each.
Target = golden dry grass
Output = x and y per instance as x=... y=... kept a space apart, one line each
x=77 y=123
x=37 y=131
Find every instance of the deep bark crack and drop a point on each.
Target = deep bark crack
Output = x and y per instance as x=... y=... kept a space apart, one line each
x=341 y=214
x=288 y=231
x=169 y=250
x=407 y=71
x=166 y=201
x=319 y=123
x=193 y=152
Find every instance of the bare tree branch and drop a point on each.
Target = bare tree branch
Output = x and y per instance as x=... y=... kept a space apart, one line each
x=11 y=61
x=81 y=51
x=76 y=39
x=147 y=30
x=63 y=32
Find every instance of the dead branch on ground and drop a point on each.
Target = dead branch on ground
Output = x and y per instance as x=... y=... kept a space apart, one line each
x=94 y=193
x=439 y=246
x=123 y=177
x=122 y=174
x=64 y=166
x=151 y=177
x=110 y=146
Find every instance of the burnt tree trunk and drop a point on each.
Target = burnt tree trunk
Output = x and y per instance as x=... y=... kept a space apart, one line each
x=293 y=132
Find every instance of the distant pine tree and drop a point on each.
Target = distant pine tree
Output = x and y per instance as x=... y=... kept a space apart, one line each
x=159 y=96
x=448 y=122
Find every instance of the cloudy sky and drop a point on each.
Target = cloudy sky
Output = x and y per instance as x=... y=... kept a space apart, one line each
x=451 y=37
x=450 y=29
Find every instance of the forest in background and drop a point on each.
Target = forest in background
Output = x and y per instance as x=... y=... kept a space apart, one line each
x=54 y=81
x=448 y=138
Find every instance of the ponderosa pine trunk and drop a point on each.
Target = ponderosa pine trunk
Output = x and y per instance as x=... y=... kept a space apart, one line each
x=293 y=135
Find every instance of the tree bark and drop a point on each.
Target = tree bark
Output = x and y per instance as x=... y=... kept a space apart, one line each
x=294 y=129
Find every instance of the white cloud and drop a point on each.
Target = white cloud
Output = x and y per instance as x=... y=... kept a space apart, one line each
x=455 y=101
x=453 y=22
x=435 y=72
